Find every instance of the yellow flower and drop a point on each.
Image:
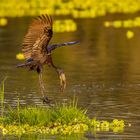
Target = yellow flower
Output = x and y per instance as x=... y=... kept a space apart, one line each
x=4 y=131
x=129 y=34
x=20 y=56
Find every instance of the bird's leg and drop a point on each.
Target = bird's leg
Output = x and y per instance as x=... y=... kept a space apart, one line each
x=41 y=84
x=62 y=77
x=60 y=73
x=42 y=88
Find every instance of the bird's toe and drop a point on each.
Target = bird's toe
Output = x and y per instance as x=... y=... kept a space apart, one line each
x=46 y=100
x=62 y=81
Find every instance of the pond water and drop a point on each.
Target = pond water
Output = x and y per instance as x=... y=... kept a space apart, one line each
x=103 y=72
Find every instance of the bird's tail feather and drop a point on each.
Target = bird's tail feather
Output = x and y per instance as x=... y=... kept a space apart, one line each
x=54 y=46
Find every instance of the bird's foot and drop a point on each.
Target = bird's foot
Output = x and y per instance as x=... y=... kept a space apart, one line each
x=46 y=100
x=62 y=78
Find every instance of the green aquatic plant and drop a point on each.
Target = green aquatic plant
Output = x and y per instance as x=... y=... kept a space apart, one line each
x=66 y=25
x=129 y=23
x=114 y=126
x=62 y=129
x=64 y=114
x=75 y=8
x=61 y=119
x=2 y=96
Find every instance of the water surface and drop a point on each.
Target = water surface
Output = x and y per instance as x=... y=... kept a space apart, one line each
x=103 y=72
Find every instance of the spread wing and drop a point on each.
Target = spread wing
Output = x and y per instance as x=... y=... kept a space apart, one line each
x=37 y=37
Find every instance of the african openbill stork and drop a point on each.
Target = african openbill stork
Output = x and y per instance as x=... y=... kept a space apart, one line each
x=37 y=52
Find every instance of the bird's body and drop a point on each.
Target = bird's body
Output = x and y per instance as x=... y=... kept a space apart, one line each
x=37 y=52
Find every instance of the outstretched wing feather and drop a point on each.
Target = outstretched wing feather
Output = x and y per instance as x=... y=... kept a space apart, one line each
x=37 y=37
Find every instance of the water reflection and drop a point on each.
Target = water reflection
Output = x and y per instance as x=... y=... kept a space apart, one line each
x=103 y=72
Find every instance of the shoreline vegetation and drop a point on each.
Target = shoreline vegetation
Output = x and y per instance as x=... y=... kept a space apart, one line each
x=74 y=8
x=61 y=119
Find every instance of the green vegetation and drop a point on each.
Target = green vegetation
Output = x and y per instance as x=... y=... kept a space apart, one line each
x=66 y=25
x=129 y=23
x=2 y=95
x=76 y=8
x=62 y=119
x=64 y=114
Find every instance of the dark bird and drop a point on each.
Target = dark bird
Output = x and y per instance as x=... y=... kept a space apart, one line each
x=37 y=52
